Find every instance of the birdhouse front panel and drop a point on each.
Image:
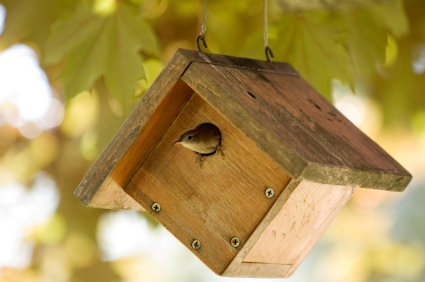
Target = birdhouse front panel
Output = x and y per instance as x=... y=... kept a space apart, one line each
x=289 y=161
x=223 y=199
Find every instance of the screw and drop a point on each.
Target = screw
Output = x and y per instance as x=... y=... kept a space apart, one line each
x=156 y=207
x=196 y=244
x=235 y=242
x=269 y=193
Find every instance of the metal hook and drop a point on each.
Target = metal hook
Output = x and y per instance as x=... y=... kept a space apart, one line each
x=269 y=53
x=201 y=37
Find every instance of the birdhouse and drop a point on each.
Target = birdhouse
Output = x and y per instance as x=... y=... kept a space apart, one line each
x=290 y=162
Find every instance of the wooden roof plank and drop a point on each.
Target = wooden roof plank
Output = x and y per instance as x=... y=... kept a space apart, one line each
x=296 y=127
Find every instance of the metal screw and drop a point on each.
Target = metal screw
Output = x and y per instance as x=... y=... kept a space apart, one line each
x=156 y=207
x=269 y=193
x=235 y=242
x=196 y=244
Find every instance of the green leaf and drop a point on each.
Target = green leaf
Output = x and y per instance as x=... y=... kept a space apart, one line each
x=325 y=45
x=367 y=37
x=311 y=42
x=391 y=16
x=366 y=41
x=102 y=45
x=29 y=20
x=301 y=6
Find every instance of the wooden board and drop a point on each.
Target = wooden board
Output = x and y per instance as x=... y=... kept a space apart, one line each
x=224 y=199
x=299 y=224
x=240 y=63
x=261 y=270
x=235 y=266
x=295 y=125
x=102 y=185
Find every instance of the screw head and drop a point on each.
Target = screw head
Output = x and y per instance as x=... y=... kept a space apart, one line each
x=269 y=193
x=196 y=245
x=235 y=242
x=156 y=207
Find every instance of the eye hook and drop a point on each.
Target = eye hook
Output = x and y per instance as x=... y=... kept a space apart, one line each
x=269 y=53
x=201 y=37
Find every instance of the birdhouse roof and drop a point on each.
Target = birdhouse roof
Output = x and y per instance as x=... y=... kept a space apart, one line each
x=269 y=103
x=272 y=105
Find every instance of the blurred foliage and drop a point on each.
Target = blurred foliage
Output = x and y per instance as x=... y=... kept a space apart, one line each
x=324 y=40
x=102 y=55
x=101 y=41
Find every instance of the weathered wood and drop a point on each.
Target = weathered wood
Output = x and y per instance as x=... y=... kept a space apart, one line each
x=241 y=63
x=223 y=199
x=98 y=188
x=296 y=127
x=299 y=224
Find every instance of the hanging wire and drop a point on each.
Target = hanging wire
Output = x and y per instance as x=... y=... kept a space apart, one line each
x=203 y=28
x=267 y=49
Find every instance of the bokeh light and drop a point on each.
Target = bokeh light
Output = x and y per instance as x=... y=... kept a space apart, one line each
x=349 y=104
x=2 y=17
x=21 y=209
x=23 y=82
x=418 y=58
x=26 y=98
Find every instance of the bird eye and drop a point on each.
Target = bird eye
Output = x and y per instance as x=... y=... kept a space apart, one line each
x=189 y=137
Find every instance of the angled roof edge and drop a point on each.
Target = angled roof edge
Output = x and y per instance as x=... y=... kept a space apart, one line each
x=378 y=180
x=238 y=62
x=98 y=184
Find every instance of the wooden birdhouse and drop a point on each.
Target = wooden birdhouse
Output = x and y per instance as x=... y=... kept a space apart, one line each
x=291 y=162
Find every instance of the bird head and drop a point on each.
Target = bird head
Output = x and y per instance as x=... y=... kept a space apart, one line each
x=188 y=139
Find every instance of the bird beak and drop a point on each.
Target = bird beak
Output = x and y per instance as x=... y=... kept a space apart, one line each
x=177 y=142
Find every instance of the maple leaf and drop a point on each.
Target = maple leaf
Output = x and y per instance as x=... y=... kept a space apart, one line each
x=325 y=45
x=96 y=45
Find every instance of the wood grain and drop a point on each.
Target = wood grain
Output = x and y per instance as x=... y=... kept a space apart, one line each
x=261 y=270
x=299 y=224
x=224 y=199
x=296 y=127
x=255 y=236
x=102 y=185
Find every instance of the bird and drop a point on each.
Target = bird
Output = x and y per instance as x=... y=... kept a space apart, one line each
x=204 y=140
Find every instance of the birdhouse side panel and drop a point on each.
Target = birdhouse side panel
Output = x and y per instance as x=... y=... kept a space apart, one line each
x=224 y=198
x=299 y=224
x=261 y=270
x=110 y=195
